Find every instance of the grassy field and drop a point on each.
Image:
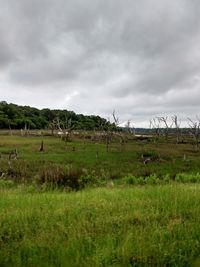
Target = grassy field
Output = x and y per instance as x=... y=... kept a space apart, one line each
x=77 y=204
x=127 y=226
x=63 y=161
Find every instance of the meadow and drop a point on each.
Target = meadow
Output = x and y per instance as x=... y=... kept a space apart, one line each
x=155 y=225
x=81 y=203
x=76 y=163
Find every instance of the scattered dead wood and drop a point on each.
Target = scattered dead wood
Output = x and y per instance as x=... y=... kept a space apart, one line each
x=148 y=159
x=13 y=155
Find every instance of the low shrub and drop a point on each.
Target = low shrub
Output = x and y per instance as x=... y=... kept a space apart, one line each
x=59 y=175
x=69 y=177
x=130 y=179
x=89 y=178
x=152 y=179
x=7 y=184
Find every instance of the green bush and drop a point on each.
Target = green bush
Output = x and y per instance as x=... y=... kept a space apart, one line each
x=130 y=179
x=152 y=179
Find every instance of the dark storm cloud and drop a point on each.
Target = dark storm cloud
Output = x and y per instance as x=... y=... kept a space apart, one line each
x=141 y=58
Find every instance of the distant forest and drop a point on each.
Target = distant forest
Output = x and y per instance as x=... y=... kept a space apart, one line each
x=19 y=117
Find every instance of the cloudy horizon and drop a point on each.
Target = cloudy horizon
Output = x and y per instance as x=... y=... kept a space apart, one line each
x=139 y=58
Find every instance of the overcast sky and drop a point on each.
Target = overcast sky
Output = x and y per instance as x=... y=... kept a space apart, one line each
x=139 y=57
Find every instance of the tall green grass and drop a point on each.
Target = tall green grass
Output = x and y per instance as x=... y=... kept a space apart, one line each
x=119 y=226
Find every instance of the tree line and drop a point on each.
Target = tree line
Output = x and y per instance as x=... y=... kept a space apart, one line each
x=13 y=116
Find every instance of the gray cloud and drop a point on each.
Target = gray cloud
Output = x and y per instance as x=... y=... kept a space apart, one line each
x=140 y=58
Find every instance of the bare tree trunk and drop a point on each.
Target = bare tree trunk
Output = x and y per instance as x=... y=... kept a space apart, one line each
x=155 y=126
x=167 y=126
x=41 y=147
x=10 y=130
x=195 y=131
x=177 y=124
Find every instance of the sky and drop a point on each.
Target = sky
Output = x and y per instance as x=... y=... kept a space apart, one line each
x=140 y=58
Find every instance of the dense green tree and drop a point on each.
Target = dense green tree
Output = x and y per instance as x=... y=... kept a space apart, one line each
x=19 y=117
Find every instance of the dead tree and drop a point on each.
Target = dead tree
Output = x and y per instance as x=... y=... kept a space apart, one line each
x=68 y=128
x=177 y=124
x=108 y=134
x=155 y=128
x=41 y=147
x=130 y=130
x=167 y=126
x=64 y=128
x=26 y=129
x=10 y=130
x=119 y=133
x=53 y=126
x=58 y=124
x=194 y=131
x=128 y=126
x=12 y=156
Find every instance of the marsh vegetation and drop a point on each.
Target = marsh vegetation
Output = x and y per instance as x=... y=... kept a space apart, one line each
x=83 y=202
